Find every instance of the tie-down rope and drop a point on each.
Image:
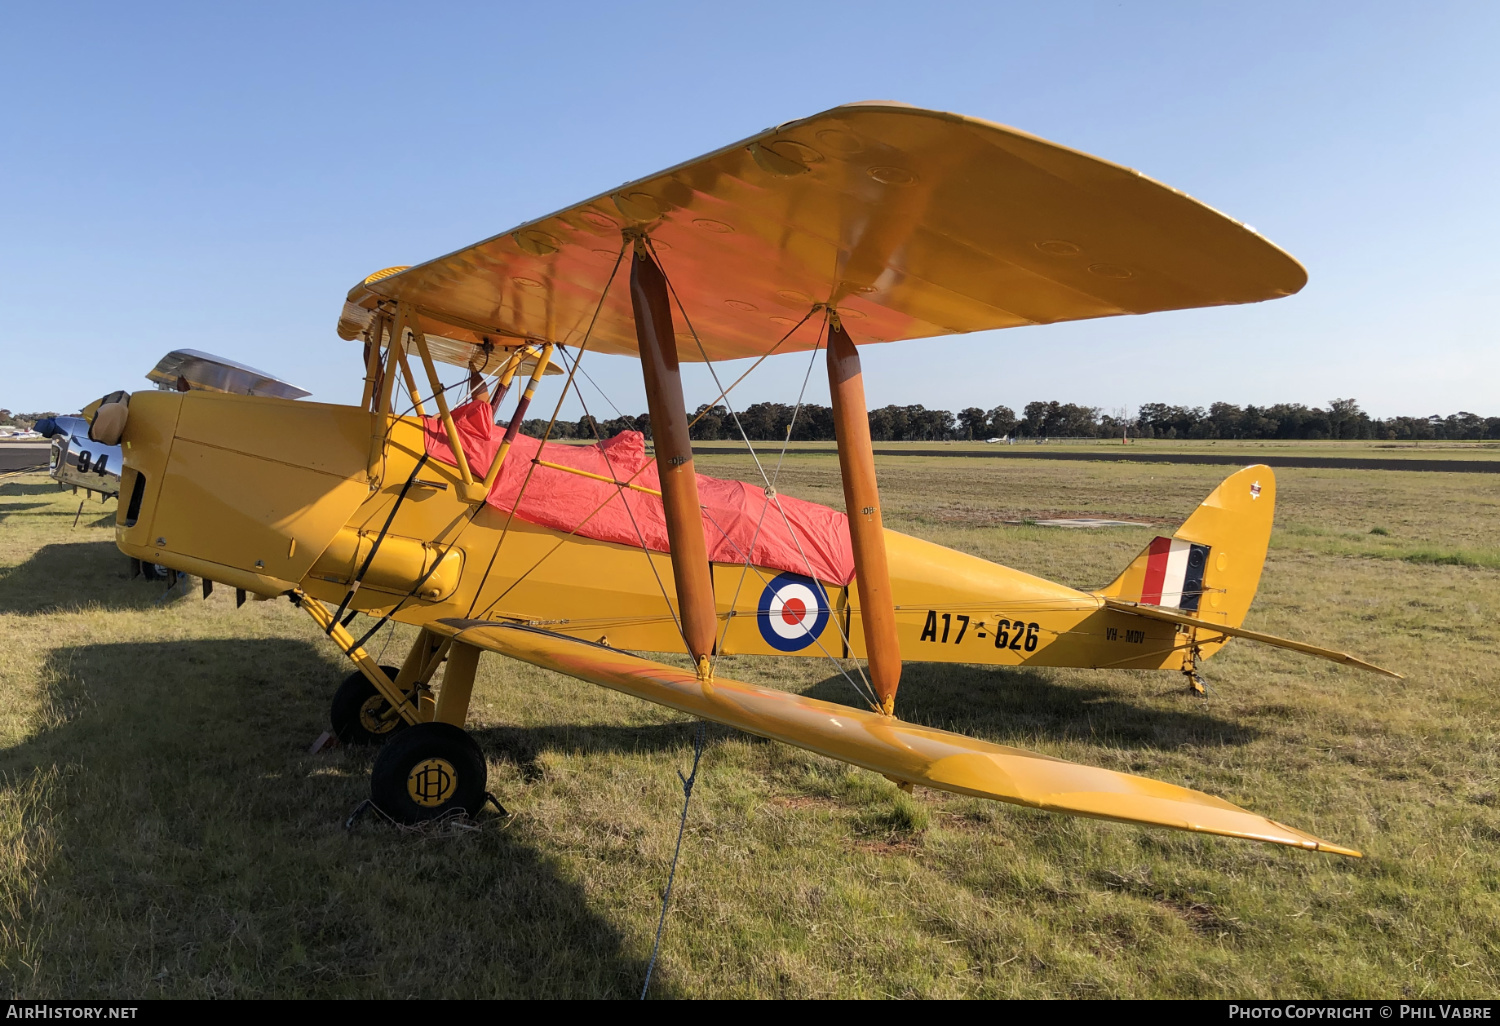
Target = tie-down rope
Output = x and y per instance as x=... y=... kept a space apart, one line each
x=699 y=736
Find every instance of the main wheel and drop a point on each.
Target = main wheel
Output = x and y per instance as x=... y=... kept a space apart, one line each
x=429 y=770
x=358 y=713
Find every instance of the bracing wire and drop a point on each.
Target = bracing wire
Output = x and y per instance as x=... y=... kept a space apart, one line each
x=551 y=423
x=388 y=636
x=862 y=687
x=462 y=521
x=639 y=470
x=771 y=495
x=724 y=393
x=601 y=392
x=781 y=459
x=865 y=693
x=620 y=491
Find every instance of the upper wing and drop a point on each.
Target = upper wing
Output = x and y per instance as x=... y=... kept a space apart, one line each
x=904 y=751
x=912 y=222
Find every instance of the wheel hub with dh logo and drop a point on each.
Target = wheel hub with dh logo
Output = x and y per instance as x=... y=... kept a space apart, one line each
x=432 y=782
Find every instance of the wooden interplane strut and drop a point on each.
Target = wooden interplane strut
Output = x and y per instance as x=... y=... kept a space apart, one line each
x=877 y=611
x=674 y=455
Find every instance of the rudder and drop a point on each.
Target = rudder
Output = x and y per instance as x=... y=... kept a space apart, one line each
x=1210 y=567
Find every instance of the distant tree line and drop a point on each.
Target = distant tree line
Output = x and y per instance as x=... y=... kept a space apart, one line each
x=1343 y=419
x=768 y=422
x=21 y=420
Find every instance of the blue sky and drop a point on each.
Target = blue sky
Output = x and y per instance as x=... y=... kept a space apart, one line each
x=216 y=176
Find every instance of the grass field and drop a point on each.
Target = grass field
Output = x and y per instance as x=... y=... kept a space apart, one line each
x=164 y=833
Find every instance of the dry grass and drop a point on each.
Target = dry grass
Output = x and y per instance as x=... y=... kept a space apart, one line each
x=163 y=833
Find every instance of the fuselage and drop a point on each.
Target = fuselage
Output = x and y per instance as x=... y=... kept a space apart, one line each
x=273 y=495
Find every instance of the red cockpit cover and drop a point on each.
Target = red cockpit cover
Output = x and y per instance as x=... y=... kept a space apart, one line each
x=817 y=543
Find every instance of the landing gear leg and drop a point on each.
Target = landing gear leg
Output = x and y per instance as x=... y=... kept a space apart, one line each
x=431 y=769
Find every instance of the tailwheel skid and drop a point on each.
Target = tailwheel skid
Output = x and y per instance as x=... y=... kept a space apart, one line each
x=1196 y=684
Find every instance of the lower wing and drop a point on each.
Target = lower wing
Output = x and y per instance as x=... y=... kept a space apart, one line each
x=899 y=750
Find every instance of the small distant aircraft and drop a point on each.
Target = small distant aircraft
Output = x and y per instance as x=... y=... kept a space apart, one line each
x=866 y=224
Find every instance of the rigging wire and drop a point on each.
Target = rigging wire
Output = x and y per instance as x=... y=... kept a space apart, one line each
x=463 y=520
x=582 y=348
x=639 y=470
x=862 y=687
x=364 y=568
x=771 y=494
x=771 y=485
x=620 y=490
x=388 y=636
x=602 y=395
x=866 y=694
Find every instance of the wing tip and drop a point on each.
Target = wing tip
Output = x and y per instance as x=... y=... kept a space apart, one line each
x=1335 y=849
x=1308 y=842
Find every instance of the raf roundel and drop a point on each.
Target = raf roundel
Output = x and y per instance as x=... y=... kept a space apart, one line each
x=793 y=612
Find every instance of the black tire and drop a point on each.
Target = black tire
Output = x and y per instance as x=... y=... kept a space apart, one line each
x=358 y=710
x=427 y=771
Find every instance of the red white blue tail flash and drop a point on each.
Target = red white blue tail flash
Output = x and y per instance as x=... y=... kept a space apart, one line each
x=1174 y=574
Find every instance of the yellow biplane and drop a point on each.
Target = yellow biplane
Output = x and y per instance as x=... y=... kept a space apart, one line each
x=870 y=223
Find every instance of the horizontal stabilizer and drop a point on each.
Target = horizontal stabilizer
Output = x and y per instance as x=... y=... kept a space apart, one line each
x=1170 y=616
x=903 y=751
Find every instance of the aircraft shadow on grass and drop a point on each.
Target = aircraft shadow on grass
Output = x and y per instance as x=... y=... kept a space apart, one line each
x=1003 y=705
x=28 y=488
x=11 y=508
x=1013 y=706
x=190 y=799
x=62 y=576
x=192 y=754
x=523 y=745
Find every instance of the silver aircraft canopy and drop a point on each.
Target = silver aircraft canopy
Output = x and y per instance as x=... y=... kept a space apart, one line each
x=185 y=369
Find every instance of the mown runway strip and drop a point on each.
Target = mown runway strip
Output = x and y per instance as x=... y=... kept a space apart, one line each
x=1228 y=459
x=20 y=455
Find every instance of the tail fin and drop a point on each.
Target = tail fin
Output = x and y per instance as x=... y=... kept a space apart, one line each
x=1210 y=568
